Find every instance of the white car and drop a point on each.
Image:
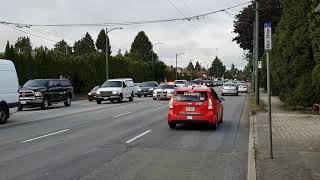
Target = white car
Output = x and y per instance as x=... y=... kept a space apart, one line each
x=242 y=87
x=9 y=86
x=164 y=91
x=229 y=88
x=116 y=90
x=180 y=83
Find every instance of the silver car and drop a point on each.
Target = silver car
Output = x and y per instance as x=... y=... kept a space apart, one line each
x=229 y=88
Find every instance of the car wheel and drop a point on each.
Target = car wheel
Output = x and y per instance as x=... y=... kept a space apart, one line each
x=67 y=103
x=221 y=119
x=45 y=103
x=3 y=115
x=172 y=125
x=120 y=98
x=111 y=100
x=139 y=96
x=98 y=101
x=154 y=98
x=20 y=107
x=131 y=97
x=90 y=100
x=145 y=95
x=237 y=94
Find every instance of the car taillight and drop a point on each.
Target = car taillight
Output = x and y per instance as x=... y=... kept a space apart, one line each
x=170 y=103
x=210 y=106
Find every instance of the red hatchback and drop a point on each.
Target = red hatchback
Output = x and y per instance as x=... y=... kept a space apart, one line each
x=195 y=105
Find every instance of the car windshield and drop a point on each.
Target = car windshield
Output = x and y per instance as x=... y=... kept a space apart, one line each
x=148 y=84
x=186 y=96
x=241 y=84
x=162 y=86
x=179 y=82
x=230 y=85
x=112 y=84
x=36 y=83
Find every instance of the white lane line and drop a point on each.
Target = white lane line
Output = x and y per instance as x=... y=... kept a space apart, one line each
x=122 y=114
x=140 y=135
x=57 y=132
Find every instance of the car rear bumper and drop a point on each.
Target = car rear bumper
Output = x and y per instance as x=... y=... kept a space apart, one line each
x=229 y=91
x=208 y=118
x=162 y=96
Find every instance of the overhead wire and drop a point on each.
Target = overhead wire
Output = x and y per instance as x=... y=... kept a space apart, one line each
x=194 y=17
x=176 y=8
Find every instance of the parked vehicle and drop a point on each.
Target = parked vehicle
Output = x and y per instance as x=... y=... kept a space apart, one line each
x=229 y=88
x=180 y=83
x=195 y=105
x=92 y=94
x=164 y=91
x=9 y=85
x=242 y=87
x=147 y=88
x=190 y=84
x=45 y=92
x=116 y=90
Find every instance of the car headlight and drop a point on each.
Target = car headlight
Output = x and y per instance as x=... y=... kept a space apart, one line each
x=115 y=92
x=139 y=89
x=98 y=92
x=37 y=94
x=89 y=94
x=151 y=89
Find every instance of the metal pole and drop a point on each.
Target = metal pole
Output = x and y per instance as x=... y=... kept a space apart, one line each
x=107 y=54
x=152 y=66
x=176 y=66
x=190 y=71
x=257 y=53
x=253 y=59
x=269 y=105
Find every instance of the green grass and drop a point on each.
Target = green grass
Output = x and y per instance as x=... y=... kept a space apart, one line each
x=256 y=108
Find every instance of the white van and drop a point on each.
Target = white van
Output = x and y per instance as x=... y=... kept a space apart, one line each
x=9 y=86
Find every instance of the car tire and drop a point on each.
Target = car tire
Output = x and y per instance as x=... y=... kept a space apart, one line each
x=111 y=100
x=68 y=101
x=154 y=98
x=98 y=101
x=4 y=115
x=45 y=103
x=20 y=107
x=139 y=96
x=145 y=95
x=172 y=125
x=221 y=119
x=131 y=97
x=237 y=94
x=90 y=100
x=120 y=98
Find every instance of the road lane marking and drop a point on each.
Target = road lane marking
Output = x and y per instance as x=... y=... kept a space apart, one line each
x=140 y=135
x=43 y=136
x=121 y=114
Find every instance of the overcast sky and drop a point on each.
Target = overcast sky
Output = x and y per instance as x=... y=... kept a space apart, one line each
x=203 y=39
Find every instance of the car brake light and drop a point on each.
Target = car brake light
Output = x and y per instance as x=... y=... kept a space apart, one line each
x=210 y=106
x=170 y=103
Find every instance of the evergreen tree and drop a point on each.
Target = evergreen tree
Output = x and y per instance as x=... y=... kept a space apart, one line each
x=190 y=66
x=141 y=48
x=84 y=46
x=198 y=66
x=101 y=42
x=23 y=44
x=62 y=47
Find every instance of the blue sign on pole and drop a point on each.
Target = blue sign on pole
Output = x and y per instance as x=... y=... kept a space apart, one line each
x=268 y=36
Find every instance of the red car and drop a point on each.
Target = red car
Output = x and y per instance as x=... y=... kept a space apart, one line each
x=195 y=105
x=92 y=94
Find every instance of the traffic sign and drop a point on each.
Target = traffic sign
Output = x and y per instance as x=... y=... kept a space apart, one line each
x=268 y=36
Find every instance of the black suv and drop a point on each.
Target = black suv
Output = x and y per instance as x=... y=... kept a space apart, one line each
x=45 y=92
x=147 y=88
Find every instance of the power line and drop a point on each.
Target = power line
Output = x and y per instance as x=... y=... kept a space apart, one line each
x=176 y=8
x=195 y=17
x=17 y=29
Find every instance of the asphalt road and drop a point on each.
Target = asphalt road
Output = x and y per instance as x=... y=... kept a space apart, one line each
x=130 y=140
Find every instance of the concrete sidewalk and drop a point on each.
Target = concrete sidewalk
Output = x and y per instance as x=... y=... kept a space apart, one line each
x=296 y=142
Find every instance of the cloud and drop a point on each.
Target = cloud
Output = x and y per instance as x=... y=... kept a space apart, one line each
x=203 y=39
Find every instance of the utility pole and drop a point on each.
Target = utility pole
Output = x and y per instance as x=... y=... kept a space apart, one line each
x=107 y=55
x=176 y=66
x=257 y=53
x=253 y=58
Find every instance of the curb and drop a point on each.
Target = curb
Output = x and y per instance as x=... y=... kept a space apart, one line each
x=252 y=173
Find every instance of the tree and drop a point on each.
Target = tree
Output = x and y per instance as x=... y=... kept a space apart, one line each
x=190 y=66
x=84 y=46
x=141 y=48
x=198 y=66
x=7 y=50
x=217 y=68
x=101 y=42
x=62 y=47
x=23 y=44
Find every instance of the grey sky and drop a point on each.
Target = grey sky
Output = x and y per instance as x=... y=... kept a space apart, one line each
x=203 y=39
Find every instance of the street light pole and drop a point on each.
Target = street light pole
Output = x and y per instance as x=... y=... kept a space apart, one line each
x=177 y=54
x=107 y=50
x=257 y=52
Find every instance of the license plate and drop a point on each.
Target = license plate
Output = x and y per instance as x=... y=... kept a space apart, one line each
x=189 y=117
x=190 y=109
x=23 y=102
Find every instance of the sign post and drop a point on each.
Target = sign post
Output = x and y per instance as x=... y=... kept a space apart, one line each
x=268 y=47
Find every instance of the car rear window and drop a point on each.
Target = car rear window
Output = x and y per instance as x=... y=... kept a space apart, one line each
x=179 y=82
x=148 y=84
x=187 y=96
x=166 y=86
